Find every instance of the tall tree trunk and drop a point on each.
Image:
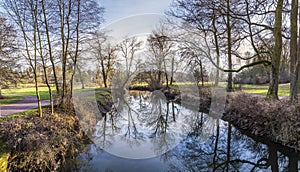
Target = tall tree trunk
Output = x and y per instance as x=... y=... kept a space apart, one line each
x=201 y=73
x=166 y=72
x=297 y=72
x=167 y=80
x=228 y=25
x=216 y=40
x=34 y=19
x=294 y=52
x=104 y=74
x=45 y=69
x=75 y=58
x=172 y=71
x=66 y=93
x=63 y=54
x=275 y=66
x=50 y=47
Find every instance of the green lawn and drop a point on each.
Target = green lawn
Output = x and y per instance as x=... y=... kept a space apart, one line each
x=29 y=92
x=284 y=89
x=16 y=94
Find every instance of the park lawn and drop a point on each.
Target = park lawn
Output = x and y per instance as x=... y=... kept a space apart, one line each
x=44 y=94
x=284 y=89
x=29 y=92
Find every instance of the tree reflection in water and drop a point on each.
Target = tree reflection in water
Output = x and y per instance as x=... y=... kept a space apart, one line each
x=229 y=150
x=150 y=121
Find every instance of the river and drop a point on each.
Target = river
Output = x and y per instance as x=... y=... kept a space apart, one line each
x=145 y=132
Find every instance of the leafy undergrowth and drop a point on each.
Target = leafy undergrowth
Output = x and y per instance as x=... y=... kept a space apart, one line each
x=278 y=121
x=4 y=155
x=40 y=144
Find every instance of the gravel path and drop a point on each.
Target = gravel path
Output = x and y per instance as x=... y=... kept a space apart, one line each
x=29 y=102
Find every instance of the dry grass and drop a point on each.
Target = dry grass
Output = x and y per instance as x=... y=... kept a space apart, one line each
x=277 y=120
x=39 y=144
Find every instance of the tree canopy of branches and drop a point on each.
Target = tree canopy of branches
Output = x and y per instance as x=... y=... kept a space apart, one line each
x=105 y=54
x=54 y=32
x=228 y=27
x=160 y=46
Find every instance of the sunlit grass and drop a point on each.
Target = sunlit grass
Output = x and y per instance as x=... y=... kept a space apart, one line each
x=43 y=91
x=284 y=89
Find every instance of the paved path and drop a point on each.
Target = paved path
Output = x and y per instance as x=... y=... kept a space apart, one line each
x=29 y=102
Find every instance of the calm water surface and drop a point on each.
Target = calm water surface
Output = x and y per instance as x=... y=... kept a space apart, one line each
x=146 y=132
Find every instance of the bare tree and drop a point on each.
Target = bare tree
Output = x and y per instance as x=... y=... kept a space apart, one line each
x=161 y=47
x=240 y=23
x=42 y=56
x=64 y=27
x=7 y=49
x=27 y=22
x=46 y=15
x=127 y=67
x=128 y=49
x=105 y=53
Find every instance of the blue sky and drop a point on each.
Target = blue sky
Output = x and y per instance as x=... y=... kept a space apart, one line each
x=117 y=9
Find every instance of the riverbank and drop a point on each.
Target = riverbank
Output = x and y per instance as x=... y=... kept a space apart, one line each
x=277 y=121
x=39 y=144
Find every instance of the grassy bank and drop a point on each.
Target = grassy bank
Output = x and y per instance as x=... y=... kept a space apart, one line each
x=31 y=143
